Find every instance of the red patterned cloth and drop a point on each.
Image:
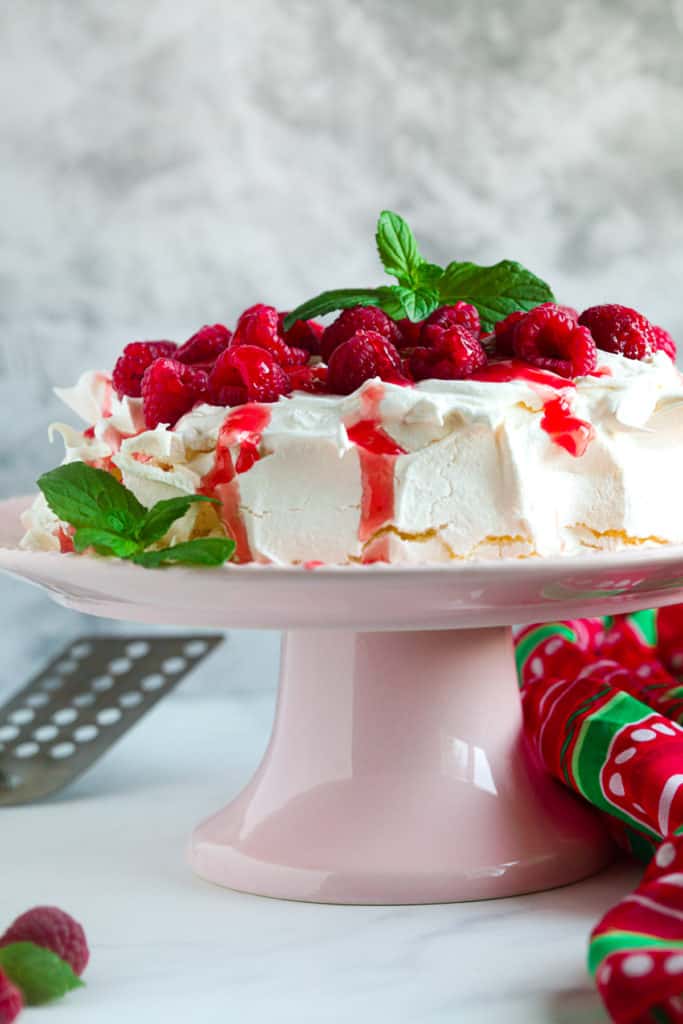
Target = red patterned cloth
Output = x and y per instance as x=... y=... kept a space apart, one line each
x=602 y=704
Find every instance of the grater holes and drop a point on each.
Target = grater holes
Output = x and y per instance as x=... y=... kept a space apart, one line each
x=102 y=683
x=119 y=666
x=8 y=733
x=137 y=649
x=130 y=700
x=85 y=733
x=195 y=648
x=51 y=684
x=37 y=700
x=65 y=716
x=60 y=751
x=45 y=733
x=26 y=750
x=81 y=650
x=83 y=700
x=173 y=665
x=67 y=668
x=22 y=716
x=108 y=716
x=153 y=682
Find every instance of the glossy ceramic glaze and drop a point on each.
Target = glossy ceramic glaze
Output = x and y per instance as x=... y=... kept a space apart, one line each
x=396 y=772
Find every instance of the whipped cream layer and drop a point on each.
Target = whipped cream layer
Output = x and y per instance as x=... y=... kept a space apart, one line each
x=439 y=471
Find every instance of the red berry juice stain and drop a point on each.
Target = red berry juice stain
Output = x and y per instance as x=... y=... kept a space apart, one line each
x=313 y=564
x=243 y=426
x=377 y=454
x=569 y=432
x=65 y=537
x=106 y=397
x=564 y=429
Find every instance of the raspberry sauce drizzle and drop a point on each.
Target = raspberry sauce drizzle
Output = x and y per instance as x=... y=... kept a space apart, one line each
x=377 y=454
x=244 y=426
x=563 y=428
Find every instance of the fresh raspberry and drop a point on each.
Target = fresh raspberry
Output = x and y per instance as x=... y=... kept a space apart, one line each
x=620 y=329
x=549 y=337
x=131 y=365
x=461 y=314
x=304 y=334
x=205 y=346
x=249 y=370
x=664 y=342
x=358 y=318
x=455 y=354
x=366 y=354
x=11 y=1002
x=410 y=332
x=169 y=390
x=53 y=929
x=260 y=325
x=309 y=378
x=504 y=332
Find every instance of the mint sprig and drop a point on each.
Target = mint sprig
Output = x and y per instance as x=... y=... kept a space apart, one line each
x=422 y=287
x=38 y=973
x=109 y=518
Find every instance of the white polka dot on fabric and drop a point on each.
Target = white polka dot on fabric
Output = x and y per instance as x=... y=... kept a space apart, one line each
x=536 y=666
x=604 y=974
x=644 y=671
x=637 y=965
x=625 y=755
x=553 y=646
x=666 y=855
x=674 y=965
x=643 y=735
x=665 y=729
x=616 y=785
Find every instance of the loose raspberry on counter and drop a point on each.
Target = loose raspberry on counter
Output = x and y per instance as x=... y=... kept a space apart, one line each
x=620 y=329
x=249 y=371
x=664 y=342
x=366 y=354
x=205 y=346
x=549 y=337
x=52 y=929
x=169 y=390
x=304 y=334
x=461 y=314
x=11 y=1002
x=358 y=318
x=131 y=365
x=454 y=355
x=259 y=325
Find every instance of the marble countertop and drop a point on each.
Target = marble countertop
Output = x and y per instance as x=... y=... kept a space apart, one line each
x=167 y=946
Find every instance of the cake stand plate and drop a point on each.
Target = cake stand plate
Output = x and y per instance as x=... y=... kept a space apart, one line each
x=397 y=771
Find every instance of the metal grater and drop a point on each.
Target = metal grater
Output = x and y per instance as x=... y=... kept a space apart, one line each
x=82 y=703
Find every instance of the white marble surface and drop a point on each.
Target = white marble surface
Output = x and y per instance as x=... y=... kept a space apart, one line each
x=167 y=946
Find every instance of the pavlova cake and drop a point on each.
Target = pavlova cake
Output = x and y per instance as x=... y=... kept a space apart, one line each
x=458 y=414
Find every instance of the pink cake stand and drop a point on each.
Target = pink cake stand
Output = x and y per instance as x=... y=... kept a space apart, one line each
x=397 y=771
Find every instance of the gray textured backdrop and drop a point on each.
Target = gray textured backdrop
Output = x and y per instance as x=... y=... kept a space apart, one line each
x=166 y=164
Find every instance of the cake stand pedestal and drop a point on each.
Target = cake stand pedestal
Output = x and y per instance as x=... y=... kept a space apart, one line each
x=397 y=771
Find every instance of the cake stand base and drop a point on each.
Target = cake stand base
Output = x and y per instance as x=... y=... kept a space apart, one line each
x=397 y=772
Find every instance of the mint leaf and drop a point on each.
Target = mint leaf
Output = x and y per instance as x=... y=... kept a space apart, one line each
x=203 y=551
x=398 y=301
x=397 y=248
x=104 y=542
x=428 y=275
x=162 y=515
x=39 y=973
x=87 y=497
x=496 y=291
x=328 y=302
